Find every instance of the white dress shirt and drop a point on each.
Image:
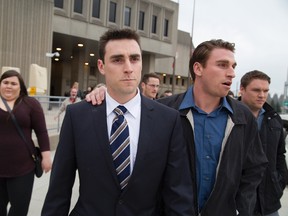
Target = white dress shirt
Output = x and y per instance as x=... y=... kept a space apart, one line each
x=132 y=116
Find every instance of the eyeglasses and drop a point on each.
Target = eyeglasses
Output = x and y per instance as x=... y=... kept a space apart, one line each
x=153 y=86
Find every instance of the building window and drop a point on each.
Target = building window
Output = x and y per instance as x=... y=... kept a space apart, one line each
x=78 y=6
x=154 y=24
x=112 y=12
x=96 y=9
x=164 y=79
x=58 y=3
x=183 y=82
x=171 y=80
x=166 y=24
x=141 y=20
x=127 y=15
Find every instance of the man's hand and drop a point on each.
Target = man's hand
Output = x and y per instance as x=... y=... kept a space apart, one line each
x=96 y=96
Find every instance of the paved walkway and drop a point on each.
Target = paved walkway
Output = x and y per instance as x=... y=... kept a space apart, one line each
x=41 y=187
x=40 y=190
x=41 y=184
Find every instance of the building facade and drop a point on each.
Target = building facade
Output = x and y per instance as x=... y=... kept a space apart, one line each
x=63 y=35
x=26 y=34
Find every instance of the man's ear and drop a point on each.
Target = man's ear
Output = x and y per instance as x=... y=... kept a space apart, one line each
x=101 y=66
x=197 y=67
x=142 y=85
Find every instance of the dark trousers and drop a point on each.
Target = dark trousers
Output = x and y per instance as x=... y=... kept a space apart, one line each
x=17 y=191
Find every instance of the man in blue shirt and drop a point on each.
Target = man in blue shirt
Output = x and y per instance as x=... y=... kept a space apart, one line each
x=254 y=89
x=209 y=132
x=226 y=156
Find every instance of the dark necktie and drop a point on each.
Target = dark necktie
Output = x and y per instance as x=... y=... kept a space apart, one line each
x=120 y=146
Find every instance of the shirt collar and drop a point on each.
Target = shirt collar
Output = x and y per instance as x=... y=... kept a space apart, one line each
x=188 y=101
x=226 y=105
x=261 y=112
x=132 y=106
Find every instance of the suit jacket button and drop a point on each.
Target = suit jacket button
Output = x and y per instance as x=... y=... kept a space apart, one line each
x=121 y=201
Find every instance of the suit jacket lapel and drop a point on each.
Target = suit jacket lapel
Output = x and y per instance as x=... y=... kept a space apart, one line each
x=144 y=136
x=101 y=134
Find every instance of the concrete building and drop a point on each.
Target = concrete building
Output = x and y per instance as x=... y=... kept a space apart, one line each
x=174 y=71
x=36 y=31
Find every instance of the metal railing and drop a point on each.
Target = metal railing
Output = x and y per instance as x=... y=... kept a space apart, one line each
x=51 y=105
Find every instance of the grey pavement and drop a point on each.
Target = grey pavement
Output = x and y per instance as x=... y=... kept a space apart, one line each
x=41 y=187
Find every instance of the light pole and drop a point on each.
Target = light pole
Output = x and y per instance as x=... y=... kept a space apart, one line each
x=192 y=46
x=173 y=72
x=193 y=17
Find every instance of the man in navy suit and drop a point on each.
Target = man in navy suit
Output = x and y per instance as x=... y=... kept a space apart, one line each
x=158 y=161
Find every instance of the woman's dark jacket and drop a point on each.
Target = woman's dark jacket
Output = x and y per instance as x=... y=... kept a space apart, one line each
x=241 y=163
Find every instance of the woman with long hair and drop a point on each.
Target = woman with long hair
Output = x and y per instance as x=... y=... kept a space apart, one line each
x=16 y=164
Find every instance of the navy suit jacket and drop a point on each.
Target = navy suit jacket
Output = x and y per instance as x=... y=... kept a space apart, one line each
x=160 y=174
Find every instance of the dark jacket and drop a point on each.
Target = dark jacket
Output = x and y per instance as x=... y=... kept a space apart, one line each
x=241 y=163
x=161 y=166
x=275 y=176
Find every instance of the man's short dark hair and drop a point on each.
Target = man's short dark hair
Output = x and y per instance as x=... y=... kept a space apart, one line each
x=116 y=34
x=203 y=51
x=250 y=76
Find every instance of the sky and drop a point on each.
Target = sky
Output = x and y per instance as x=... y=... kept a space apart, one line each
x=259 y=29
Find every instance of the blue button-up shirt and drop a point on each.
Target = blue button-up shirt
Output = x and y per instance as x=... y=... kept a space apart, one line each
x=209 y=130
x=260 y=118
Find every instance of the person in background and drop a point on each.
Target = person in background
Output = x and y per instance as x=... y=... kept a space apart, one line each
x=151 y=163
x=71 y=100
x=226 y=156
x=150 y=85
x=254 y=88
x=79 y=92
x=166 y=93
x=16 y=164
